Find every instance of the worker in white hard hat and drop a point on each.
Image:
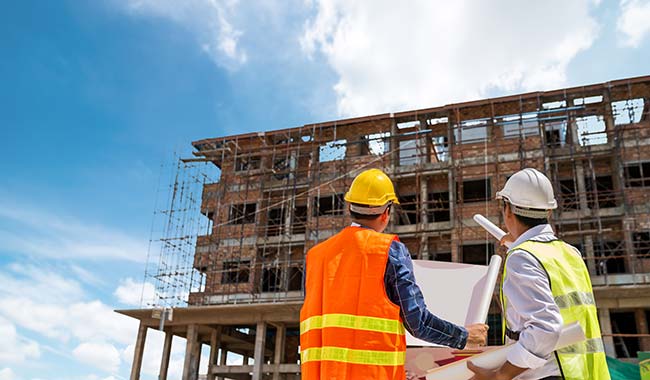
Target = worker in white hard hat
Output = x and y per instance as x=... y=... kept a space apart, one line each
x=361 y=296
x=545 y=285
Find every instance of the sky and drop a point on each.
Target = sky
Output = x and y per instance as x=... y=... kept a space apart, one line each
x=96 y=96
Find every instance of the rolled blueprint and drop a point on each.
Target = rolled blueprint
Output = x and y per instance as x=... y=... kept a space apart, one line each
x=480 y=313
x=490 y=227
x=493 y=359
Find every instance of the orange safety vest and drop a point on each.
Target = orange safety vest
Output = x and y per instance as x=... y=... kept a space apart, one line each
x=349 y=329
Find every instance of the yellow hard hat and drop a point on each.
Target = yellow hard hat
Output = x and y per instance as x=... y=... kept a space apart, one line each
x=371 y=188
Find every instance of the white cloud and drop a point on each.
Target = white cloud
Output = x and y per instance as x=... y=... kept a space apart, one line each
x=14 y=349
x=31 y=230
x=423 y=54
x=132 y=293
x=7 y=374
x=209 y=20
x=634 y=21
x=101 y=355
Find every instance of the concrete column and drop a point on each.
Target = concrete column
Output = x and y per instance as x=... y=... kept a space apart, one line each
x=215 y=340
x=260 y=340
x=192 y=354
x=588 y=250
x=138 y=352
x=606 y=331
x=424 y=200
x=223 y=359
x=164 y=361
x=278 y=353
x=582 y=187
x=642 y=328
x=630 y=257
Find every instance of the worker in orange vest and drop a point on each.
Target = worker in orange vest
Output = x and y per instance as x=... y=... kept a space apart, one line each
x=361 y=295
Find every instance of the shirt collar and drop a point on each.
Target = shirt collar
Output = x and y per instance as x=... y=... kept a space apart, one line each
x=542 y=229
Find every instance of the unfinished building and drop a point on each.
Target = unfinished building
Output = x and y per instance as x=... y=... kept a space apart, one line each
x=281 y=192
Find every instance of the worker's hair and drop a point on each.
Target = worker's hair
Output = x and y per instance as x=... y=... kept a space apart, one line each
x=526 y=221
x=531 y=222
x=357 y=216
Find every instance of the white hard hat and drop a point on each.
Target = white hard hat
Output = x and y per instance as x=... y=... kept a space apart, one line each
x=531 y=192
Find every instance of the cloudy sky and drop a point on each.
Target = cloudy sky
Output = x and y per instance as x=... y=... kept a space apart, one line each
x=95 y=96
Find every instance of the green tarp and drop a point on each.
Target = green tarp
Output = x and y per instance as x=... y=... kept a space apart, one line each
x=623 y=371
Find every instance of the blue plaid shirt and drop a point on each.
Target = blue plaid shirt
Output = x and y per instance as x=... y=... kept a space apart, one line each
x=404 y=292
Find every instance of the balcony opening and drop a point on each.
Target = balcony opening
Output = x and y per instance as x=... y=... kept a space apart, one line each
x=442 y=256
x=624 y=322
x=408 y=210
x=295 y=278
x=242 y=213
x=628 y=111
x=476 y=191
x=641 y=244
x=329 y=205
x=555 y=133
x=236 y=272
x=568 y=195
x=410 y=153
x=332 y=151
x=272 y=280
x=275 y=221
x=247 y=163
x=440 y=151
x=591 y=130
x=438 y=207
x=477 y=254
x=299 y=219
x=609 y=257
x=637 y=175
x=377 y=144
x=471 y=131
x=601 y=192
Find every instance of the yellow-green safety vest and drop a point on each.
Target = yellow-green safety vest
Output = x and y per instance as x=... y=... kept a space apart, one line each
x=571 y=288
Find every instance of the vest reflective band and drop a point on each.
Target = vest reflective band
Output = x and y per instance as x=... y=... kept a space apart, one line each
x=352 y=322
x=349 y=329
x=571 y=288
x=347 y=355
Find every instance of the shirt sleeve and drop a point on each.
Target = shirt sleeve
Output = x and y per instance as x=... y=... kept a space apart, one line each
x=528 y=293
x=403 y=291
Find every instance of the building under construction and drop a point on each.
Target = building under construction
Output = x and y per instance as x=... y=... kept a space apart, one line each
x=229 y=272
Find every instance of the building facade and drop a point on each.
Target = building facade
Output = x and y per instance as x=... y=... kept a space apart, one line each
x=281 y=192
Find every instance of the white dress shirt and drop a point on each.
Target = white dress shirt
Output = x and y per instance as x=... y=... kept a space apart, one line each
x=531 y=309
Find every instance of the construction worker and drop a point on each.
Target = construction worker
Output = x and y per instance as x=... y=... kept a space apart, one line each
x=360 y=295
x=545 y=285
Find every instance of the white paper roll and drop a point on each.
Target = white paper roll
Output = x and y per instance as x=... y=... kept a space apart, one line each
x=490 y=227
x=486 y=297
x=570 y=334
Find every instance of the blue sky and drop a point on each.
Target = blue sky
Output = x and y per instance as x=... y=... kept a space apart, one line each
x=95 y=96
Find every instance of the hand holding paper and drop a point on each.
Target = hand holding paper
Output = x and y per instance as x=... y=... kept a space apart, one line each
x=490 y=227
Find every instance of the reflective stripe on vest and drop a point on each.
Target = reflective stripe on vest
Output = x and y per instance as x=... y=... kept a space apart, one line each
x=348 y=355
x=349 y=321
x=571 y=288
